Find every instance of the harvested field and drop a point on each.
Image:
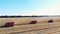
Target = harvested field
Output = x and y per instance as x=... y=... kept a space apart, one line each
x=22 y=26
x=27 y=20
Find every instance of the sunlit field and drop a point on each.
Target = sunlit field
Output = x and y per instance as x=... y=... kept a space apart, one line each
x=22 y=25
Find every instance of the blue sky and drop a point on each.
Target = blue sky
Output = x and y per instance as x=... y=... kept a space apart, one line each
x=29 y=7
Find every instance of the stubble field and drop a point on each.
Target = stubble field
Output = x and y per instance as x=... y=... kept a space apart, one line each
x=22 y=26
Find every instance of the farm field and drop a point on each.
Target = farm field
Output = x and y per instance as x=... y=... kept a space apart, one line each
x=22 y=25
x=27 y=20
